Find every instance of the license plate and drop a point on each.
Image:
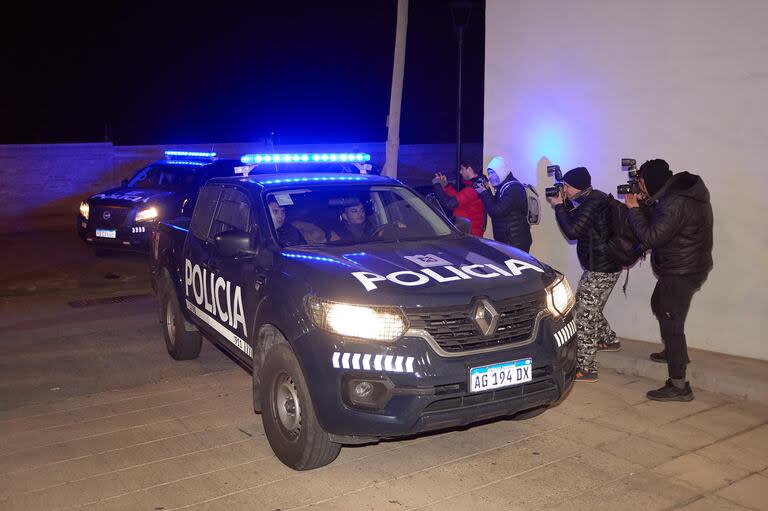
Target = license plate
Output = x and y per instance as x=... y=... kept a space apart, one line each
x=504 y=374
x=106 y=233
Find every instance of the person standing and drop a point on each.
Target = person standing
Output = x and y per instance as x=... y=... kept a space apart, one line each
x=676 y=223
x=465 y=203
x=508 y=208
x=589 y=223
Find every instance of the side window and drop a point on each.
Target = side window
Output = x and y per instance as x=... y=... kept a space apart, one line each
x=233 y=213
x=203 y=215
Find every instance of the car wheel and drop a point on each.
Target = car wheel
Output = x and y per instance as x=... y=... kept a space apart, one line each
x=290 y=424
x=529 y=414
x=182 y=339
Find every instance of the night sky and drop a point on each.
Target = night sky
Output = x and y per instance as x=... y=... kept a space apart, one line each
x=167 y=72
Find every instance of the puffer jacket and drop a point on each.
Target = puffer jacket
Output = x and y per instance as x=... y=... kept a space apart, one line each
x=465 y=203
x=678 y=228
x=590 y=225
x=509 y=211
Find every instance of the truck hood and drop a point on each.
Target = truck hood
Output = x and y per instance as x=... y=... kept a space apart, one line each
x=417 y=274
x=128 y=196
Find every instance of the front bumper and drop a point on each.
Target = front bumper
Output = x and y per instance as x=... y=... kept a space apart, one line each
x=133 y=238
x=425 y=391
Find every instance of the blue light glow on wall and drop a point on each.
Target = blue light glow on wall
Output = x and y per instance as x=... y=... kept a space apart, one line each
x=304 y=158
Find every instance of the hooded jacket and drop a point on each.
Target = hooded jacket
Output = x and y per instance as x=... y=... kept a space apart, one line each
x=678 y=227
x=509 y=211
x=465 y=203
x=590 y=225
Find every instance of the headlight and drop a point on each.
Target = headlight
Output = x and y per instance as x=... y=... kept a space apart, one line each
x=147 y=214
x=560 y=299
x=373 y=323
x=84 y=210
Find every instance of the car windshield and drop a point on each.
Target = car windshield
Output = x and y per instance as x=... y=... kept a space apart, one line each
x=352 y=215
x=166 y=177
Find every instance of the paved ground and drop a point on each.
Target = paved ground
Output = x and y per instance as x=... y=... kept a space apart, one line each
x=95 y=416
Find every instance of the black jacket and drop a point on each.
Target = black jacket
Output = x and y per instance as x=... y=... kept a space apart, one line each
x=509 y=212
x=590 y=225
x=678 y=228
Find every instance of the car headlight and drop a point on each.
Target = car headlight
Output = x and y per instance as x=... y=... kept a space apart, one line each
x=147 y=214
x=85 y=209
x=560 y=299
x=363 y=322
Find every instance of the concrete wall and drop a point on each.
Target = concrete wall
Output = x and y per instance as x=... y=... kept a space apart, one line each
x=589 y=82
x=41 y=186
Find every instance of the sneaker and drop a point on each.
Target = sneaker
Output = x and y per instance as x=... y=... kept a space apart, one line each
x=671 y=393
x=660 y=357
x=608 y=346
x=586 y=376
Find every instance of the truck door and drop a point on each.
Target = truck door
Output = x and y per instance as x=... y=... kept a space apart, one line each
x=237 y=284
x=197 y=250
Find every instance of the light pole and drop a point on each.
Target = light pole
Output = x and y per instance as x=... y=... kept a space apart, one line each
x=461 y=11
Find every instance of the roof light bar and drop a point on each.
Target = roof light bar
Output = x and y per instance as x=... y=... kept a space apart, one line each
x=311 y=179
x=186 y=162
x=188 y=154
x=304 y=158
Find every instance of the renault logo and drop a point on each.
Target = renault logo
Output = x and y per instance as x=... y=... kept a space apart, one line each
x=106 y=215
x=485 y=317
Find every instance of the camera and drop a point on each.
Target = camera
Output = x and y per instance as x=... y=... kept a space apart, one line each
x=554 y=191
x=629 y=165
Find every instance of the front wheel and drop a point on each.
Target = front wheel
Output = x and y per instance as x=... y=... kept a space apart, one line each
x=290 y=424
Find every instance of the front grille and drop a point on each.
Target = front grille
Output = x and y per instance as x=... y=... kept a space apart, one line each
x=117 y=216
x=455 y=331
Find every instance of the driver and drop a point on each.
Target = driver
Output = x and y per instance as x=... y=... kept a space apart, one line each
x=354 y=225
x=287 y=234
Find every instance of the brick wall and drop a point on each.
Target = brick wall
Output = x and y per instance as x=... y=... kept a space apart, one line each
x=41 y=186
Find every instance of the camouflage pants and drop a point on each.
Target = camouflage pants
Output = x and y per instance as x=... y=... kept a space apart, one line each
x=591 y=326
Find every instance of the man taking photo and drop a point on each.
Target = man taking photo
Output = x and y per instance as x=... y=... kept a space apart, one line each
x=676 y=224
x=589 y=223
x=465 y=203
x=508 y=208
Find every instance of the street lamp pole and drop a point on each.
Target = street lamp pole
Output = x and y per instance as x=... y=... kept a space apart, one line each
x=461 y=11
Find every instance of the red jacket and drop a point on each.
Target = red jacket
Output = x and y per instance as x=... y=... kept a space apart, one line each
x=469 y=206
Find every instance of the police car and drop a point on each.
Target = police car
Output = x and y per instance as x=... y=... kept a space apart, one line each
x=362 y=311
x=121 y=218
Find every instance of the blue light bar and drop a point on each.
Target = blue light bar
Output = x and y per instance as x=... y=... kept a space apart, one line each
x=186 y=162
x=312 y=258
x=312 y=179
x=188 y=154
x=252 y=159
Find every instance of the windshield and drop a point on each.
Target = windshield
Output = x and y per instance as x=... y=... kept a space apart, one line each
x=165 y=177
x=352 y=215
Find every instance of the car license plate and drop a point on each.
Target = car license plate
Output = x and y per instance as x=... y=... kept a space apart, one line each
x=106 y=233
x=500 y=375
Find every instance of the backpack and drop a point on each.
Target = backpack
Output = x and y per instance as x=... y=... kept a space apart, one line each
x=622 y=246
x=532 y=197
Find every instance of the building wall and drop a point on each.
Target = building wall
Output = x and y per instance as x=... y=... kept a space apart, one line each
x=589 y=82
x=41 y=186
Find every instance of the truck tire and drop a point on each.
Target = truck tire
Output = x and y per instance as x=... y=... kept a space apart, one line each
x=288 y=414
x=182 y=339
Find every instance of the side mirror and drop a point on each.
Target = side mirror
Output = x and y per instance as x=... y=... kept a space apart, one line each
x=463 y=224
x=235 y=243
x=124 y=183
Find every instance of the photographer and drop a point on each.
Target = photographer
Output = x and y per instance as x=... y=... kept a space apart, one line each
x=677 y=226
x=588 y=222
x=508 y=208
x=465 y=203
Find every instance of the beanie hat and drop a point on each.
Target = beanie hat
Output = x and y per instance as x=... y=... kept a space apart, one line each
x=655 y=173
x=499 y=166
x=578 y=178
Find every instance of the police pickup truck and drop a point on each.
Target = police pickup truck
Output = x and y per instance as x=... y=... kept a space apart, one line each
x=121 y=218
x=362 y=311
